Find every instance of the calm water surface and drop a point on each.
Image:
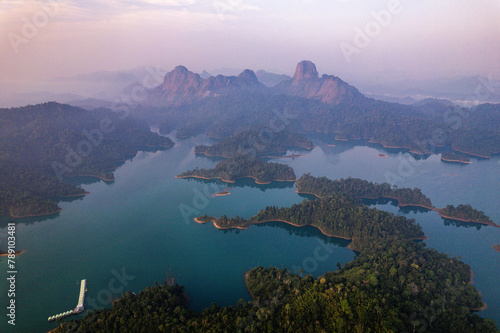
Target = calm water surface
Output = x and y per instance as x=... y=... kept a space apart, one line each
x=140 y=229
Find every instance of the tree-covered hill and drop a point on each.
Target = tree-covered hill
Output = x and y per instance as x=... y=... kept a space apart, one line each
x=350 y=116
x=336 y=216
x=359 y=188
x=244 y=167
x=41 y=144
x=256 y=143
x=398 y=286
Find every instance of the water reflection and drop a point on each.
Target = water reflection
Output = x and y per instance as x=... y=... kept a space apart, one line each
x=68 y=199
x=458 y=224
x=84 y=180
x=5 y=220
x=305 y=231
x=414 y=209
x=401 y=209
x=330 y=145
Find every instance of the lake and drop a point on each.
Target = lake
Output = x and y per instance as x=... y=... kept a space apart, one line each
x=137 y=230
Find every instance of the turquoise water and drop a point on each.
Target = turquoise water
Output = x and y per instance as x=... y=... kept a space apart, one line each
x=134 y=229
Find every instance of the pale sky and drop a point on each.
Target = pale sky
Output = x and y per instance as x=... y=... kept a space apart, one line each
x=45 y=39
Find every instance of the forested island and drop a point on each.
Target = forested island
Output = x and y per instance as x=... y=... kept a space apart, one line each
x=256 y=143
x=466 y=213
x=396 y=286
x=359 y=189
x=244 y=152
x=244 y=167
x=452 y=157
x=42 y=144
x=335 y=216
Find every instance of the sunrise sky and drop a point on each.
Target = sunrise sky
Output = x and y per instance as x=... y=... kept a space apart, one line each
x=421 y=38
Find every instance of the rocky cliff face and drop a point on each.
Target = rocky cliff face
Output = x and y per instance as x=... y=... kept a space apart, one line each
x=305 y=71
x=181 y=86
x=307 y=83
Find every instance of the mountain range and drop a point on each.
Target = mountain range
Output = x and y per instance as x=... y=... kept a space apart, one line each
x=221 y=106
x=182 y=86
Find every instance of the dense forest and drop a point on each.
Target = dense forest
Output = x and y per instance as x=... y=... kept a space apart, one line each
x=453 y=157
x=26 y=191
x=240 y=167
x=359 y=188
x=465 y=213
x=244 y=152
x=398 y=286
x=42 y=144
x=394 y=125
x=255 y=143
x=339 y=211
x=338 y=216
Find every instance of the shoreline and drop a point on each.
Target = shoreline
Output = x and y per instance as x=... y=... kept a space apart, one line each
x=301 y=192
x=214 y=221
x=35 y=215
x=399 y=202
x=472 y=154
x=268 y=152
x=496 y=247
x=471 y=281
x=221 y=194
x=234 y=181
x=73 y=195
x=455 y=161
x=376 y=198
x=16 y=253
x=93 y=176
x=246 y=284
x=50 y=213
x=412 y=151
x=493 y=224
x=286 y=156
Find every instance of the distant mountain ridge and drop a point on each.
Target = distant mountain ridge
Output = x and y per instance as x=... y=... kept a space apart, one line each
x=462 y=88
x=181 y=86
x=271 y=79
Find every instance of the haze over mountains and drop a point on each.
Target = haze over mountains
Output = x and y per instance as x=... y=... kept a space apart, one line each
x=221 y=106
x=329 y=89
x=101 y=88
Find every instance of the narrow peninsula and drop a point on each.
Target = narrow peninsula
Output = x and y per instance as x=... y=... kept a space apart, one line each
x=335 y=215
x=465 y=213
x=363 y=189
